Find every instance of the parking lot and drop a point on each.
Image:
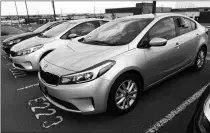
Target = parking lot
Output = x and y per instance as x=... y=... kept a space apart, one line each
x=25 y=109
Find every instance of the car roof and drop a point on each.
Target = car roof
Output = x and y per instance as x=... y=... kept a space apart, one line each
x=84 y=20
x=151 y=15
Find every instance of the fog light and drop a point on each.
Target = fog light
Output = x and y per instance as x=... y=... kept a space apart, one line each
x=27 y=65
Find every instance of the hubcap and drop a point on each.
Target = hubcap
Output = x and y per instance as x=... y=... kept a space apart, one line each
x=201 y=59
x=126 y=94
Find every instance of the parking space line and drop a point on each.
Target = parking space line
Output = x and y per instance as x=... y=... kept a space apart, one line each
x=27 y=87
x=20 y=76
x=176 y=111
x=9 y=64
x=207 y=58
x=17 y=73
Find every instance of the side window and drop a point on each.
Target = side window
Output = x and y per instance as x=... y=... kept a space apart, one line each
x=193 y=25
x=84 y=28
x=50 y=27
x=183 y=25
x=103 y=22
x=163 y=29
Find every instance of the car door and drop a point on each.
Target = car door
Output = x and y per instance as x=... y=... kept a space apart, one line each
x=188 y=40
x=161 y=61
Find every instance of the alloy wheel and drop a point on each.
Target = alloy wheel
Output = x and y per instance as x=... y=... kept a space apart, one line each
x=201 y=59
x=126 y=94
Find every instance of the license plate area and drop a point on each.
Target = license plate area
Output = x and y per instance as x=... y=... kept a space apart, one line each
x=43 y=89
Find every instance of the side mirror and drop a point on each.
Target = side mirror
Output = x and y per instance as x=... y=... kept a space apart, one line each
x=73 y=35
x=158 y=42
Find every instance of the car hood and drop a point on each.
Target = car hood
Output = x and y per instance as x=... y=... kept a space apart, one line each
x=31 y=42
x=77 y=56
x=19 y=36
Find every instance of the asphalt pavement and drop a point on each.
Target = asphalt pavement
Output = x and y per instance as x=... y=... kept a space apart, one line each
x=22 y=113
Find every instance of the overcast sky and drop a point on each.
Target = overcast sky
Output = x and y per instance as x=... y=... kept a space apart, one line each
x=45 y=7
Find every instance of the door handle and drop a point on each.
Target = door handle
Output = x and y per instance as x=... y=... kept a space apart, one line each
x=177 y=45
x=197 y=35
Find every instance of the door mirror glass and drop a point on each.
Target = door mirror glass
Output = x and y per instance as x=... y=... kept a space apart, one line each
x=158 y=42
x=73 y=35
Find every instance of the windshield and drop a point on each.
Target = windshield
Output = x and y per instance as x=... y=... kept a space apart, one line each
x=57 y=29
x=43 y=27
x=120 y=32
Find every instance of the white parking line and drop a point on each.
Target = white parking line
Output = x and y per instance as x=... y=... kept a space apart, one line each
x=207 y=58
x=27 y=87
x=9 y=64
x=176 y=111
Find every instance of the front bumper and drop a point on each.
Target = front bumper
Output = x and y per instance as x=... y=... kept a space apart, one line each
x=85 y=98
x=203 y=124
x=28 y=62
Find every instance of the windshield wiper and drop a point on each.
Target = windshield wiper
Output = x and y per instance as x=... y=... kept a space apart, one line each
x=43 y=36
x=95 y=42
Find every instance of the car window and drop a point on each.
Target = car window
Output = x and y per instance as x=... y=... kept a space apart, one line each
x=119 y=32
x=58 y=29
x=193 y=25
x=163 y=29
x=43 y=27
x=183 y=25
x=84 y=28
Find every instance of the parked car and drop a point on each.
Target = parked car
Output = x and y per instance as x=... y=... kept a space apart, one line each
x=27 y=54
x=200 y=121
x=107 y=69
x=11 y=41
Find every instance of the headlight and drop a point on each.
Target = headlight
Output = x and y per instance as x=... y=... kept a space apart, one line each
x=14 y=41
x=29 y=50
x=88 y=74
x=207 y=108
x=204 y=122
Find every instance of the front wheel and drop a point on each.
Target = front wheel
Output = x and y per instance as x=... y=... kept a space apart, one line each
x=200 y=59
x=124 y=94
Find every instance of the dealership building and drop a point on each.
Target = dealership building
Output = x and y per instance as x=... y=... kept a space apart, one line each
x=141 y=8
x=145 y=8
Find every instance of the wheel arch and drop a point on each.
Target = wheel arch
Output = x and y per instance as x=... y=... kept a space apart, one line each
x=131 y=70
x=45 y=53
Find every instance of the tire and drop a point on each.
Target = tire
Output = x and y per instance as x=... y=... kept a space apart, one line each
x=112 y=106
x=198 y=66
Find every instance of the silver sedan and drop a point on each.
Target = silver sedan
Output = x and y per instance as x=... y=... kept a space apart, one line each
x=110 y=67
x=27 y=54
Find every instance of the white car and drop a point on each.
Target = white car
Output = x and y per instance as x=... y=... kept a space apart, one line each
x=27 y=54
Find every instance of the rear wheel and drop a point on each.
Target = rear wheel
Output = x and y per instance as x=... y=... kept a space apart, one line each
x=124 y=94
x=200 y=59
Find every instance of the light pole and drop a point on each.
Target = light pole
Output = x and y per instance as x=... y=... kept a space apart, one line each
x=154 y=7
x=94 y=11
x=27 y=12
x=61 y=14
x=53 y=6
x=17 y=13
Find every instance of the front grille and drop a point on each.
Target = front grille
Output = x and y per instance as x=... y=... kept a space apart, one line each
x=63 y=103
x=49 y=77
x=7 y=50
x=12 y=53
